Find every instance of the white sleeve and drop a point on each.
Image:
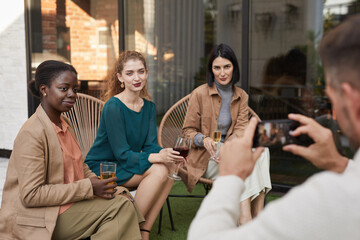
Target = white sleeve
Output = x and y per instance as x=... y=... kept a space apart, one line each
x=220 y=210
x=315 y=209
x=349 y=166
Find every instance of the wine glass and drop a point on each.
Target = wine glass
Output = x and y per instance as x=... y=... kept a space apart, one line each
x=182 y=145
x=216 y=136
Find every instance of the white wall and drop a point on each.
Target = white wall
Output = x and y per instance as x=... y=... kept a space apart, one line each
x=13 y=82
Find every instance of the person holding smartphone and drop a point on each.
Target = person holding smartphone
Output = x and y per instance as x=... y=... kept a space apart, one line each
x=326 y=206
x=217 y=103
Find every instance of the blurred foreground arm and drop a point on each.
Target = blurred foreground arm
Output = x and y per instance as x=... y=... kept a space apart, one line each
x=309 y=211
x=322 y=153
x=220 y=211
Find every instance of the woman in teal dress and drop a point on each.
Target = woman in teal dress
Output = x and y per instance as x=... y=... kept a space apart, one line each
x=127 y=136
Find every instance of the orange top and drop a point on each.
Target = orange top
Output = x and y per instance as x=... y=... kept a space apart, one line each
x=73 y=163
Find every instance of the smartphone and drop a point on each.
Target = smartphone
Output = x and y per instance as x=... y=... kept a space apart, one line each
x=277 y=133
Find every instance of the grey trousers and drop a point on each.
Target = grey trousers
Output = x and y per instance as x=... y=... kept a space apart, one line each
x=100 y=218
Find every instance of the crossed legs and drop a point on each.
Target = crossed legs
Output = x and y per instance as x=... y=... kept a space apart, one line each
x=153 y=187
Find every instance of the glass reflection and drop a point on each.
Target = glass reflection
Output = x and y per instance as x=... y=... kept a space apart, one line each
x=83 y=33
x=286 y=75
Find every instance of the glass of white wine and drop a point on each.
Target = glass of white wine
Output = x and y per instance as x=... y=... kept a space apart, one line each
x=216 y=136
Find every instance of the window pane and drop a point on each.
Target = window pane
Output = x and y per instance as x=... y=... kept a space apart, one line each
x=81 y=32
x=176 y=36
x=286 y=75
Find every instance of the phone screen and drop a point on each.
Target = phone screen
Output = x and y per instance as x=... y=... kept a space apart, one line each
x=277 y=133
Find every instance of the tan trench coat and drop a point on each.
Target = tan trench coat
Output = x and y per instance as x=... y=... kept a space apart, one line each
x=34 y=188
x=201 y=117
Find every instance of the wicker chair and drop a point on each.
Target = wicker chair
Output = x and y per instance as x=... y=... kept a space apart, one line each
x=171 y=127
x=85 y=118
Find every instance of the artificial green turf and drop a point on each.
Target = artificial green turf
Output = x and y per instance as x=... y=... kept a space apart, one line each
x=183 y=211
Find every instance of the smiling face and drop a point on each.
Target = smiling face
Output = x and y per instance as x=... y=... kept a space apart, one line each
x=60 y=96
x=222 y=69
x=133 y=76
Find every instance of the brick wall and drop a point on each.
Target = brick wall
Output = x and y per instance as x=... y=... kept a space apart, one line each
x=88 y=22
x=13 y=87
x=92 y=59
x=48 y=14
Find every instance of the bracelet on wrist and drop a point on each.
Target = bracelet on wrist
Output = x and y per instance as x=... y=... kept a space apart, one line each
x=204 y=137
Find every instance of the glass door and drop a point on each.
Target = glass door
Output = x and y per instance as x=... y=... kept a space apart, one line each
x=286 y=75
x=176 y=36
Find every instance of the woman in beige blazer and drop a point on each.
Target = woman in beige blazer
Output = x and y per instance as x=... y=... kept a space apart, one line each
x=37 y=202
x=221 y=103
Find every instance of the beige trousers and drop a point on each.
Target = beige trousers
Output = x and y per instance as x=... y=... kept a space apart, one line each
x=99 y=218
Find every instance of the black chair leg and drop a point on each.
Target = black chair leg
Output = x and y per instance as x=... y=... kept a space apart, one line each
x=207 y=188
x=160 y=221
x=170 y=215
x=265 y=200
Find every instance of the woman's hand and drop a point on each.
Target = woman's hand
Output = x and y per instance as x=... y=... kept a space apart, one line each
x=166 y=155
x=210 y=145
x=104 y=188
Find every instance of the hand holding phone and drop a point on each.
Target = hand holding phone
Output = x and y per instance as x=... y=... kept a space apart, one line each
x=322 y=153
x=277 y=133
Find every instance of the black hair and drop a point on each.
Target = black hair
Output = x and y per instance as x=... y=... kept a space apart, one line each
x=46 y=72
x=224 y=51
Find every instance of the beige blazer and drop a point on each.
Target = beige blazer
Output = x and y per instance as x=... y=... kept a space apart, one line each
x=201 y=117
x=34 y=186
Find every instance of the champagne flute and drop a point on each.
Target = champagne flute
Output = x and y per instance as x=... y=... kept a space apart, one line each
x=216 y=136
x=182 y=145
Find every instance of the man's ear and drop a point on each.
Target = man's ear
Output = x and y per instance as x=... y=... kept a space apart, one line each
x=351 y=98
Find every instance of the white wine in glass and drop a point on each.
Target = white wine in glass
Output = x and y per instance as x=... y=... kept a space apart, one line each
x=216 y=136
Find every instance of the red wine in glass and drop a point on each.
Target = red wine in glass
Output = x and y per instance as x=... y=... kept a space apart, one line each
x=184 y=151
x=182 y=145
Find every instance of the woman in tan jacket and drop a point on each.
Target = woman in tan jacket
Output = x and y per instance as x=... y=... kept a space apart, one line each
x=221 y=103
x=49 y=193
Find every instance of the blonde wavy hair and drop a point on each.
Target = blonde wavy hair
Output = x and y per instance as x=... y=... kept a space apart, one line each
x=113 y=85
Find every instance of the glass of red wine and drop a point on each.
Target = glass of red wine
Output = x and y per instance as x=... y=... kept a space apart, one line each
x=182 y=145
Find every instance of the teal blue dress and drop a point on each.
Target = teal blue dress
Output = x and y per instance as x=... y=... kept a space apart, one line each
x=125 y=137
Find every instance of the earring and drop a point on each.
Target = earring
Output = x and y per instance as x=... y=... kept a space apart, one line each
x=122 y=85
x=44 y=94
